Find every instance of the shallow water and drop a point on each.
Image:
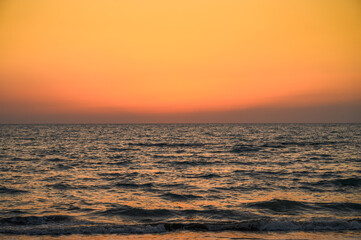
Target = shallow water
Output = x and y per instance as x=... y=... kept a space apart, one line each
x=161 y=178
x=188 y=235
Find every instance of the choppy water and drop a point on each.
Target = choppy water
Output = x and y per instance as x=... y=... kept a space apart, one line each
x=89 y=179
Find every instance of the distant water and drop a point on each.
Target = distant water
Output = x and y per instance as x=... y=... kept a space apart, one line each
x=159 y=178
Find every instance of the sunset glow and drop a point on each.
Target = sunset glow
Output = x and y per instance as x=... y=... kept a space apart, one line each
x=158 y=57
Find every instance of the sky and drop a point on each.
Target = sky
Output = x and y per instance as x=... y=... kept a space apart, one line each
x=114 y=61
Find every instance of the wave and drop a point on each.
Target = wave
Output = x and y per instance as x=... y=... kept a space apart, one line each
x=60 y=225
x=346 y=206
x=341 y=182
x=170 y=145
x=118 y=160
x=24 y=159
x=35 y=220
x=179 y=197
x=125 y=211
x=133 y=212
x=63 y=167
x=115 y=149
x=202 y=175
x=133 y=185
x=61 y=186
x=301 y=144
x=55 y=159
x=292 y=207
x=5 y=190
x=117 y=175
x=243 y=148
x=278 y=205
x=335 y=184
x=193 y=163
x=111 y=174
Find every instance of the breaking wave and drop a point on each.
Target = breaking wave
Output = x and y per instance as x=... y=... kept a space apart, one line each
x=63 y=225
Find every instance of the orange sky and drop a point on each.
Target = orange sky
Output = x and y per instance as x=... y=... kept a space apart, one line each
x=161 y=56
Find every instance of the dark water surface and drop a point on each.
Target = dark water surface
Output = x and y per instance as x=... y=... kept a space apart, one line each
x=156 y=178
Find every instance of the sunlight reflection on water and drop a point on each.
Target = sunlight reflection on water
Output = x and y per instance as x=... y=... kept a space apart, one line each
x=156 y=174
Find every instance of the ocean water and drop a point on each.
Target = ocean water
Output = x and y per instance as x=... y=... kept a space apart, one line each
x=200 y=179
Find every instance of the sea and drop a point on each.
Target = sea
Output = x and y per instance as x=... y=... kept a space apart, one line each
x=180 y=181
